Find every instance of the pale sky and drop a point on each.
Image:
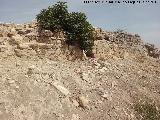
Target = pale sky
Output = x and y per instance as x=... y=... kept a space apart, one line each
x=143 y=18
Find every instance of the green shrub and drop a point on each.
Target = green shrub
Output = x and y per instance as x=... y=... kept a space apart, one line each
x=77 y=29
x=53 y=18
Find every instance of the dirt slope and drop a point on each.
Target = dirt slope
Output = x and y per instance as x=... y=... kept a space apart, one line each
x=49 y=81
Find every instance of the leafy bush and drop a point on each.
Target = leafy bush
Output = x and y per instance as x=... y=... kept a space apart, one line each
x=77 y=29
x=54 y=17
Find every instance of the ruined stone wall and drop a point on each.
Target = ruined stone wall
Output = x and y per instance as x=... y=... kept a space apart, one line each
x=122 y=44
x=119 y=37
x=25 y=40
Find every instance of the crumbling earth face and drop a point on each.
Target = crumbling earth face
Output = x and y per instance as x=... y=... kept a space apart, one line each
x=45 y=81
x=44 y=89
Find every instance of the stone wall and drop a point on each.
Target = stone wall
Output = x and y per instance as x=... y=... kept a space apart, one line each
x=115 y=44
x=119 y=37
x=108 y=42
x=26 y=40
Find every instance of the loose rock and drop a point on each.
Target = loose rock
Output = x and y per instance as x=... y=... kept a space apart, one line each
x=62 y=89
x=83 y=101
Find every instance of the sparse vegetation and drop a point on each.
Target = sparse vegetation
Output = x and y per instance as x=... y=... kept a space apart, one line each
x=147 y=110
x=77 y=29
x=120 y=30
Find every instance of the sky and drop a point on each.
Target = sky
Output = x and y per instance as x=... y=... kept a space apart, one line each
x=142 y=19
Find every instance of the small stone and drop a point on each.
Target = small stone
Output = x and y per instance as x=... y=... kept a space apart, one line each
x=10 y=34
x=30 y=70
x=2 y=113
x=96 y=67
x=11 y=81
x=97 y=64
x=17 y=87
x=117 y=77
x=107 y=96
x=58 y=41
x=83 y=102
x=23 y=46
x=1 y=35
x=3 y=48
x=18 y=64
x=31 y=67
x=13 y=30
x=126 y=55
x=12 y=84
x=17 y=38
x=115 y=58
x=85 y=77
x=107 y=64
x=47 y=33
x=103 y=69
x=61 y=88
x=18 y=53
x=114 y=84
x=75 y=103
x=23 y=32
x=75 y=117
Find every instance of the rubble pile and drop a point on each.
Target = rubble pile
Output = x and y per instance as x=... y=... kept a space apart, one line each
x=126 y=41
x=41 y=78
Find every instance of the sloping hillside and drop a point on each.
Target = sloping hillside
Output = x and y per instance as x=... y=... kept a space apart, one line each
x=41 y=78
